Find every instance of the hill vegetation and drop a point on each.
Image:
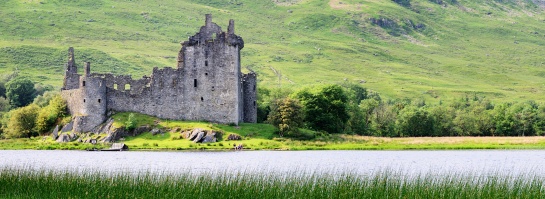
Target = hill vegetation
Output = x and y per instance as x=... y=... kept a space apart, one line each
x=434 y=50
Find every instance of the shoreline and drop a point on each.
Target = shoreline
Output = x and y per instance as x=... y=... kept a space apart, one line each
x=343 y=142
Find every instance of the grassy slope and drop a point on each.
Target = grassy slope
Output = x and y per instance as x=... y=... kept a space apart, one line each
x=484 y=47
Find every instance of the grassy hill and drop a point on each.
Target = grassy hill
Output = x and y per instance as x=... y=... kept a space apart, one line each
x=430 y=49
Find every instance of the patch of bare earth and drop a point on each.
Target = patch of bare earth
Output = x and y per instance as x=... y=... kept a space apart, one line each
x=339 y=5
x=286 y=2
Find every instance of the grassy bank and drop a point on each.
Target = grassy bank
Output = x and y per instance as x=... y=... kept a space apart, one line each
x=264 y=137
x=29 y=183
x=171 y=141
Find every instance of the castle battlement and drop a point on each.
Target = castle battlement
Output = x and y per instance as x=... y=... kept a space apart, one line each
x=206 y=85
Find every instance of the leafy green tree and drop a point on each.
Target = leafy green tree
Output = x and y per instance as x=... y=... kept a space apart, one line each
x=539 y=124
x=524 y=115
x=130 y=124
x=504 y=122
x=22 y=122
x=4 y=105
x=465 y=123
x=325 y=109
x=51 y=114
x=20 y=92
x=383 y=120
x=415 y=122
x=443 y=116
x=287 y=115
x=357 y=121
x=44 y=99
x=367 y=108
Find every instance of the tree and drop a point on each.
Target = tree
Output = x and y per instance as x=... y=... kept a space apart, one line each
x=130 y=124
x=287 y=115
x=443 y=117
x=22 y=122
x=325 y=108
x=20 y=92
x=414 y=122
x=49 y=115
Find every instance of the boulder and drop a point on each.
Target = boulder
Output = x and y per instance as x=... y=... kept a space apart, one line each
x=186 y=134
x=55 y=133
x=155 y=131
x=194 y=133
x=141 y=129
x=68 y=127
x=114 y=135
x=199 y=136
x=234 y=137
x=209 y=138
x=63 y=138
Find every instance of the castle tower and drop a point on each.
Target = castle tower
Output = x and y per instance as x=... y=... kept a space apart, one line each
x=93 y=102
x=211 y=69
x=71 y=77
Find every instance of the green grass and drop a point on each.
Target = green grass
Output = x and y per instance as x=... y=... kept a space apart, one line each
x=488 y=48
x=35 y=183
x=264 y=137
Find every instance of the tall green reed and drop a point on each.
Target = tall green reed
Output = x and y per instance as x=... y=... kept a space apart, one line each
x=44 y=183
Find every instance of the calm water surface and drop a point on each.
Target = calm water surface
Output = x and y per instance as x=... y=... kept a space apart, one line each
x=361 y=162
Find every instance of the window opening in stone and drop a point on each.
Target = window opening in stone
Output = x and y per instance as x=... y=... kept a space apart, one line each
x=202 y=99
x=214 y=36
x=83 y=83
x=115 y=86
x=254 y=87
x=195 y=83
x=205 y=73
x=127 y=87
x=205 y=63
x=254 y=103
x=99 y=101
x=83 y=100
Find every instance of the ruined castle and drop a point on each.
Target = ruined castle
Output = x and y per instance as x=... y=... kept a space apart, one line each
x=206 y=85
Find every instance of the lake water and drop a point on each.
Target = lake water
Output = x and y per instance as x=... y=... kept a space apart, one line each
x=361 y=162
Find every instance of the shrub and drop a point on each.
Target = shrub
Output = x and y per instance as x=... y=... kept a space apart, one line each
x=22 y=122
x=130 y=124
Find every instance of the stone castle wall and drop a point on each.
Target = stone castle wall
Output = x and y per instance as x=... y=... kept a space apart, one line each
x=206 y=85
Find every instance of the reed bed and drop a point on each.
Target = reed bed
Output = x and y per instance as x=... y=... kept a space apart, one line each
x=43 y=183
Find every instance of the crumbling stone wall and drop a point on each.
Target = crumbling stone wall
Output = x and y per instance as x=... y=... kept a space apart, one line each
x=249 y=83
x=206 y=85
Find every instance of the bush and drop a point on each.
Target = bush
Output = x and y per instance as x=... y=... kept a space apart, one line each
x=287 y=116
x=22 y=122
x=130 y=124
x=51 y=114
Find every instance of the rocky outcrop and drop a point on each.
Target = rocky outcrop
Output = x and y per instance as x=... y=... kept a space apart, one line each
x=199 y=135
x=63 y=138
x=234 y=137
x=155 y=131
x=55 y=133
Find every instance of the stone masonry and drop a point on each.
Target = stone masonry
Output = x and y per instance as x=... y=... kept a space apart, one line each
x=207 y=85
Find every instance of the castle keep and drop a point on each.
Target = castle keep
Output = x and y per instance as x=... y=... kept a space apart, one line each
x=207 y=84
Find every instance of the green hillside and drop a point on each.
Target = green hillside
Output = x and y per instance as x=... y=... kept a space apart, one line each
x=431 y=49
